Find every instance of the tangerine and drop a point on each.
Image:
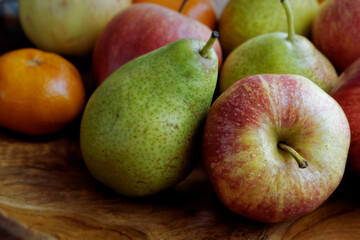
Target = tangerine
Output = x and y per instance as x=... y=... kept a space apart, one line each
x=200 y=10
x=40 y=92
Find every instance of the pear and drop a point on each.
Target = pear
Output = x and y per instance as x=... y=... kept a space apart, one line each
x=141 y=129
x=279 y=53
x=245 y=19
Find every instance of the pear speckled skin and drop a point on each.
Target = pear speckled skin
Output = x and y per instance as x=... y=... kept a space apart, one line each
x=141 y=128
x=245 y=19
x=273 y=53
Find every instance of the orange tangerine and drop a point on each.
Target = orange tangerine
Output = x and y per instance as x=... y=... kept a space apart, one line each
x=40 y=92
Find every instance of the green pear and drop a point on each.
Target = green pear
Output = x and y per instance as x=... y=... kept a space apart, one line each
x=245 y=19
x=141 y=129
x=279 y=53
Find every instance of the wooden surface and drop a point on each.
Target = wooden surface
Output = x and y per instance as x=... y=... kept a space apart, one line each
x=46 y=192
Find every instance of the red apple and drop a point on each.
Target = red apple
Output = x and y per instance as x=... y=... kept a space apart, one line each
x=348 y=96
x=275 y=146
x=140 y=29
x=336 y=31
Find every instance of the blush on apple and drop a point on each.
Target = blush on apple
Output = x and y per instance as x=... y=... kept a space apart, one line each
x=336 y=31
x=140 y=29
x=348 y=96
x=275 y=146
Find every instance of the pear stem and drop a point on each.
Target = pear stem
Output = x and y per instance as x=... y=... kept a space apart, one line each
x=204 y=52
x=182 y=6
x=290 y=20
x=300 y=160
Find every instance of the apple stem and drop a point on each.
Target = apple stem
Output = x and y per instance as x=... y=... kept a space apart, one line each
x=300 y=160
x=182 y=6
x=290 y=20
x=205 y=50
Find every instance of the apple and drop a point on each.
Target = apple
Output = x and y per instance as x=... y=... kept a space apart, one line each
x=336 y=31
x=348 y=96
x=140 y=29
x=67 y=27
x=275 y=146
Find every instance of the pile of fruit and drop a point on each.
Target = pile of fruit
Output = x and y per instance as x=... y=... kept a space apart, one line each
x=275 y=121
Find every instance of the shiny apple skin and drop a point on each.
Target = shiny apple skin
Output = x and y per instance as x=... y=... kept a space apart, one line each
x=336 y=32
x=249 y=173
x=348 y=96
x=140 y=29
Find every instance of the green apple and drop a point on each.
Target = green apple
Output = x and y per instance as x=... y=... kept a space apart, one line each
x=245 y=19
x=67 y=27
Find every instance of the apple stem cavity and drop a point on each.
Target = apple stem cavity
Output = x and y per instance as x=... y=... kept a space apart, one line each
x=290 y=20
x=182 y=6
x=204 y=52
x=300 y=160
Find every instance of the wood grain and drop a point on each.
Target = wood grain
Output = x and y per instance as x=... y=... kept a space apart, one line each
x=46 y=192
x=46 y=185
